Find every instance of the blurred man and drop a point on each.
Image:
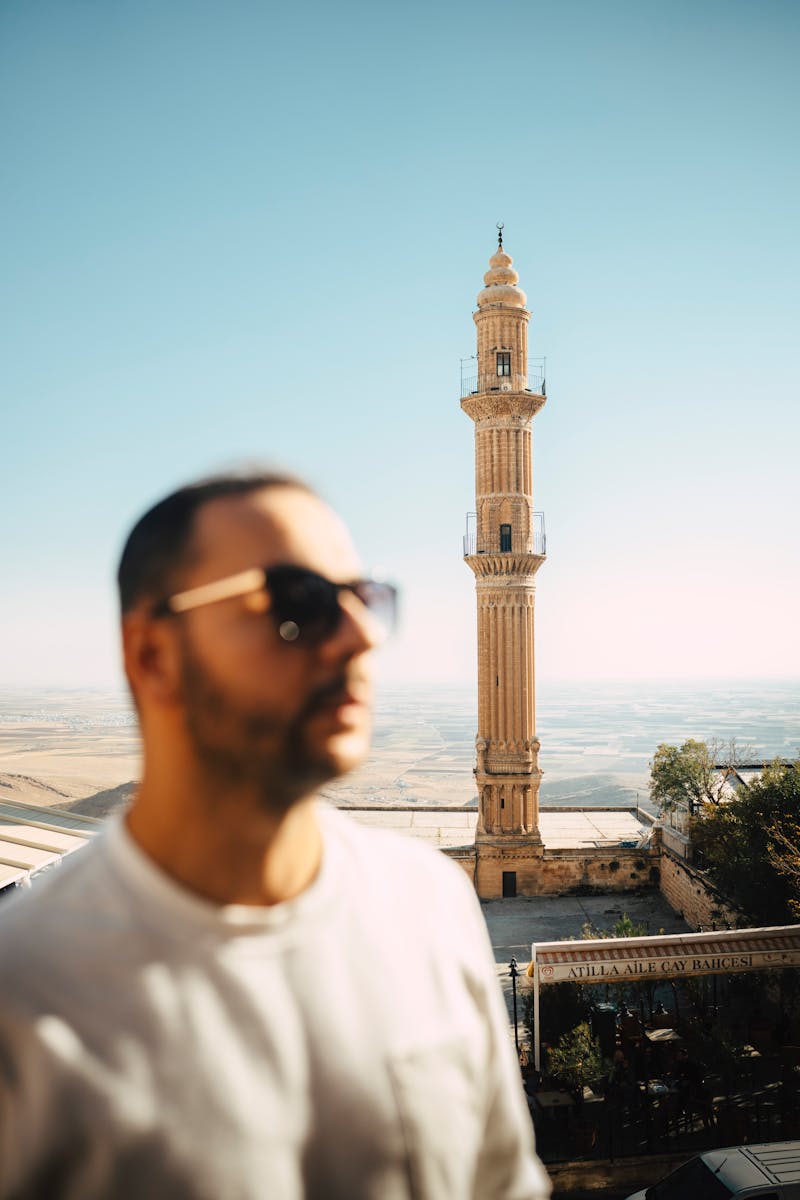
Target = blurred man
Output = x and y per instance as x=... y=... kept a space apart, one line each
x=236 y=992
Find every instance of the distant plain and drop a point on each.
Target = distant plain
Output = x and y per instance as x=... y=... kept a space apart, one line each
x=80 y=748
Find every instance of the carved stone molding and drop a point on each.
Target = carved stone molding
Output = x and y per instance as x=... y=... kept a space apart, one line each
x=509 y=565
x=512 y=420
x=527 y=746
x=513 y=592
x=512 y=847
x=492 y=406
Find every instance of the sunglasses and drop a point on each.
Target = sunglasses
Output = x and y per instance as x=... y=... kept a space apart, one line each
x=304 y=605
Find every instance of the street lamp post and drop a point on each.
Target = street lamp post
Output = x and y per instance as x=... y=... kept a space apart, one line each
x=513 y=972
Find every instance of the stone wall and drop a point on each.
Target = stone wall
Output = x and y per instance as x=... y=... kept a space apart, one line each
x=691 y=895
x=545 y=872
x=623 y=1174
x=613 y=869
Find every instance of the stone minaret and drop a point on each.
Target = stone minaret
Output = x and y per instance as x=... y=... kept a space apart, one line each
x=505 y=547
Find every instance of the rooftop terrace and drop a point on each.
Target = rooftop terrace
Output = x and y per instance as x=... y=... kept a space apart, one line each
x=561 y=828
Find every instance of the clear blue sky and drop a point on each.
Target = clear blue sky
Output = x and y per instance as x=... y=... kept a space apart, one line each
x=257 y=230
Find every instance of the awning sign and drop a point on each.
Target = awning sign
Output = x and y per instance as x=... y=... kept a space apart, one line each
x=653 y=968
x=622 y=960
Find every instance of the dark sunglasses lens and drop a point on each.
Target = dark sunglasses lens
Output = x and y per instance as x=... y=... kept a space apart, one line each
x=381 y=600
x=304 y=600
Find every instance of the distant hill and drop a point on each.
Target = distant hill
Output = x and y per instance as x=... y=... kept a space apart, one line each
x=103 y=803
x=27 y=790
x=591 y=791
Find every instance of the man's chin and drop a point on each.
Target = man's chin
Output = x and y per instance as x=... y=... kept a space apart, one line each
x=338 y=736
x=340 y=752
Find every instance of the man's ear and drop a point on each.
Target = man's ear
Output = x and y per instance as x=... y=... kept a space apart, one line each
x=152 y=658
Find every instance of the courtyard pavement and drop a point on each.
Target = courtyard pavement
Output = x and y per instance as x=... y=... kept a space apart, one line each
x=514 y=924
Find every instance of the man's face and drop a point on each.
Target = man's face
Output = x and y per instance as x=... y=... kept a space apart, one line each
x=282 y=717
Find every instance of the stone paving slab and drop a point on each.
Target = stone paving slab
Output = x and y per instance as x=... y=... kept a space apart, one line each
x=560 y=831
x=453 y=820
x=589 y=827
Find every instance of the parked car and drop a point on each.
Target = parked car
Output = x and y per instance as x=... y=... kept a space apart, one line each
x=771 y=1171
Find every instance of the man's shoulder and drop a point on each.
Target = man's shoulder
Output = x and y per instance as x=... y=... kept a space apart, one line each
x=420 y=903
x=374 y=838
x=397 y=859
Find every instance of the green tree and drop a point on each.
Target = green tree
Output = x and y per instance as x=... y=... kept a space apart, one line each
x=623 y=927
x=577 y=1059
x=786 y=840
x=751 y=846
x=692 y=774
x=562 y=1006
x=631 y=991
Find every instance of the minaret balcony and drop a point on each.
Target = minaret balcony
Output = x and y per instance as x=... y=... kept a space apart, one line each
x=478 y=385
x=503 y=541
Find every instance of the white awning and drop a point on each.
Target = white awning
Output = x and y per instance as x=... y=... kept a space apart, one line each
x=625 y=960
x=614 y=960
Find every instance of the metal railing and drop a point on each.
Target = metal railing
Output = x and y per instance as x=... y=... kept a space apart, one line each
x=604 y=1127
x=492 y=541
x=473 y=385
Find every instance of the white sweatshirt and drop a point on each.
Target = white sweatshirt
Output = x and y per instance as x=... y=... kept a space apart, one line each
x=350 y=1044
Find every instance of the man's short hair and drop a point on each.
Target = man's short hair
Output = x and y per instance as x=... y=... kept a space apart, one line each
x=159 y=545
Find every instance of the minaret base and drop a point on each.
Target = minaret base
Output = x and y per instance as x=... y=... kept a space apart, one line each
x=508 y=845
x=508 y=866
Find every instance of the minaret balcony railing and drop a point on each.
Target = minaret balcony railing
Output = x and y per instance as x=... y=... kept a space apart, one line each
x=499 y=542
x=474 y=385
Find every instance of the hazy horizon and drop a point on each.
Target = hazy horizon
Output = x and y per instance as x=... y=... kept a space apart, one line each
x=591 y=681
x=597 y=739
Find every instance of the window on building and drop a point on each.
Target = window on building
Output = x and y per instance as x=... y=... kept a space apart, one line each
x=509 y=884
x=504 y=362
x=505 y=538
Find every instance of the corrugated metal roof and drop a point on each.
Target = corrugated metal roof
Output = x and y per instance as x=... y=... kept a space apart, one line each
x=32 y=838
x=48 y=818
x=9 y=875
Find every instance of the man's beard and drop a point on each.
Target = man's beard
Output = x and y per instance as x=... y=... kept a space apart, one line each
x=262 y=751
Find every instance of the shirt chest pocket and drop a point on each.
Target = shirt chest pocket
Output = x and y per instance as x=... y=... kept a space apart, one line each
x=441 y=1100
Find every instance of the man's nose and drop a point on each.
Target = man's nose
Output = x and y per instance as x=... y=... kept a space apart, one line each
x=357 y=631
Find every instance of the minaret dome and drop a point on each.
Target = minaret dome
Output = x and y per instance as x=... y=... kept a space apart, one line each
x=501 y=284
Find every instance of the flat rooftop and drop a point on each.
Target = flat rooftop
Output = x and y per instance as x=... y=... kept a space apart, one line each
x=561 y=829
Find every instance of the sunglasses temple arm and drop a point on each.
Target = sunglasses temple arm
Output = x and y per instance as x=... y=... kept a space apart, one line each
x=223 y=589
